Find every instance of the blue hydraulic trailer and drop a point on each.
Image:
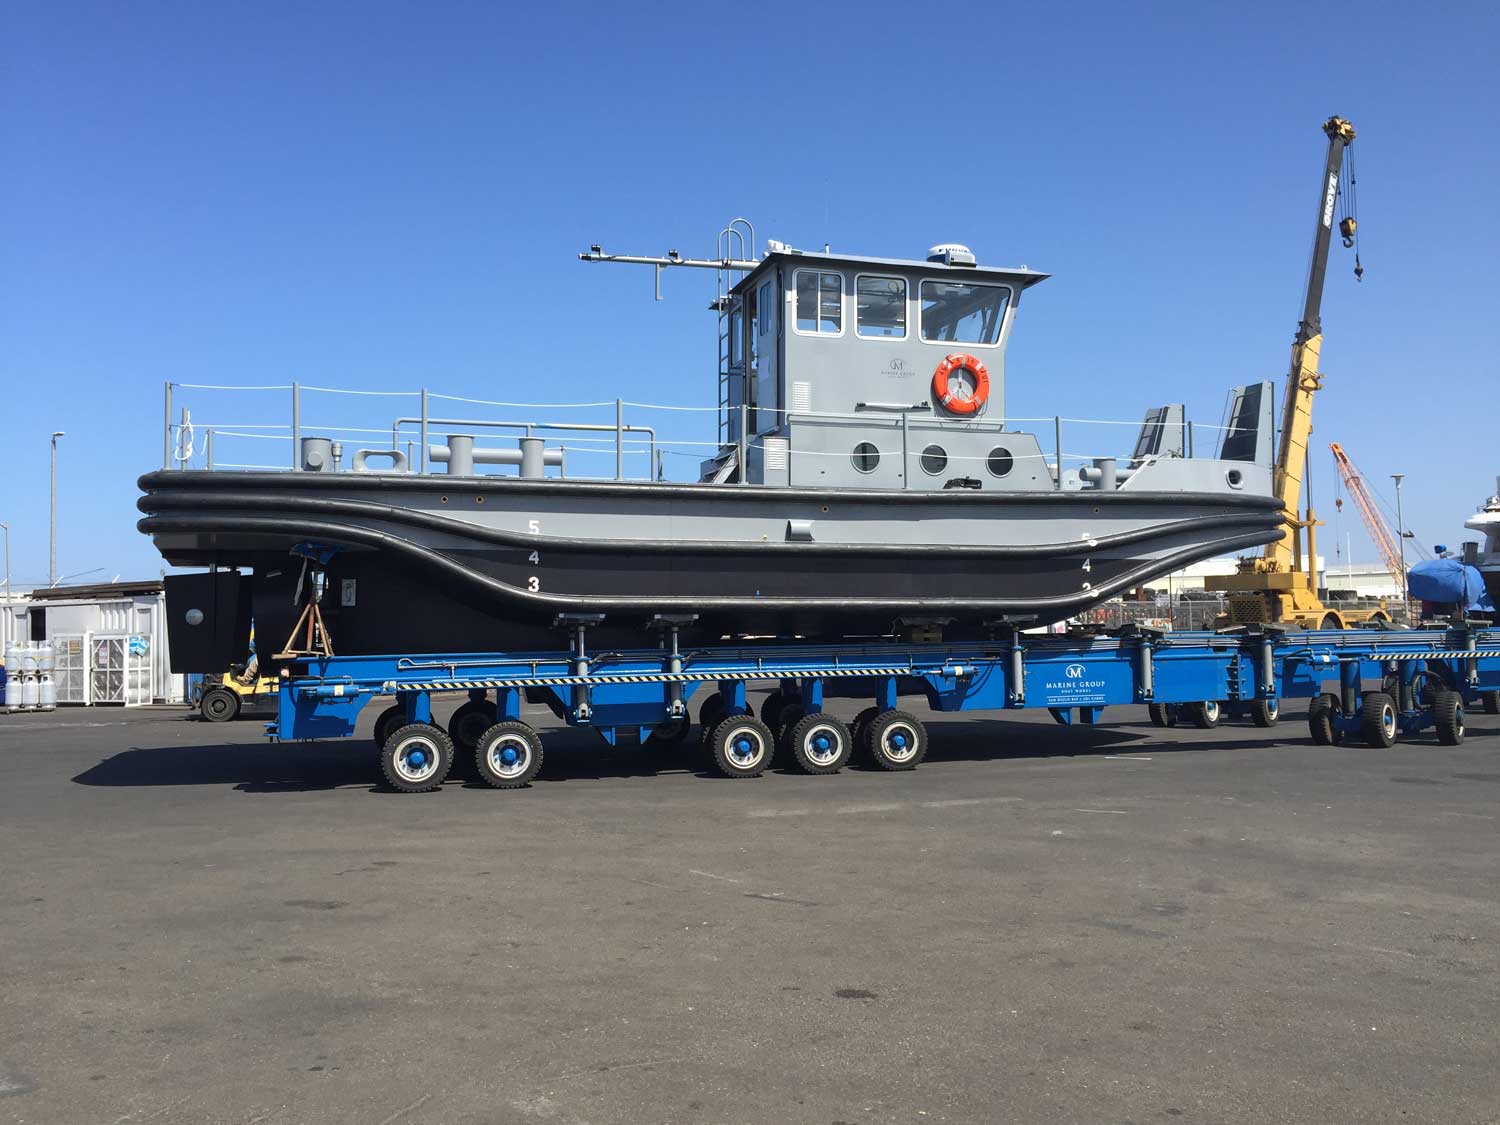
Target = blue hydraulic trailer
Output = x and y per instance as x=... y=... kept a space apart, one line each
x=1426 y=677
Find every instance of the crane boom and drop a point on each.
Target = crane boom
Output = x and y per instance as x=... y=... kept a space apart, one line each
x=1304 y=379
x=1380 y=532
x=1281 y=583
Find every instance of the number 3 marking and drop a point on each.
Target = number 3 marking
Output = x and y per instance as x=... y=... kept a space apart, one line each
x=533 y=584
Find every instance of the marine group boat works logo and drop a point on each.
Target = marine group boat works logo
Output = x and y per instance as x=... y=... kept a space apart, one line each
x=1075 y=678
x=897 y=368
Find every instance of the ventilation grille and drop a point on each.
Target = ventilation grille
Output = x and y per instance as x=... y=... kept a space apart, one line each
x=801 y=398
x=776 y=451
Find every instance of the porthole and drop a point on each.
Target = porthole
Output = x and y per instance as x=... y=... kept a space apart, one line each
x=865 y=457
x=999 y=462
x=1235 y=478
x=934 y=460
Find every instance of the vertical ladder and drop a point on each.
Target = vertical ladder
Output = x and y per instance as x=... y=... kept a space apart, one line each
x=736 y=241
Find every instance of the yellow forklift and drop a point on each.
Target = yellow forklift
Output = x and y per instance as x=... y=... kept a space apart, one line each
x=220 y=699
x=1280 y=586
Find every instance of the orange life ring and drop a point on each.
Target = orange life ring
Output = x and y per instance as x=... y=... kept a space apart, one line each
x=951 y=402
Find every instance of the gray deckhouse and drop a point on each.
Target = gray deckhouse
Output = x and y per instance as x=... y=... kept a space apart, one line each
x=842 y=371
x=833 y=357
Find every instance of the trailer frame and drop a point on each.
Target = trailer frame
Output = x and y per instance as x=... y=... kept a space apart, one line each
x=1428 y=678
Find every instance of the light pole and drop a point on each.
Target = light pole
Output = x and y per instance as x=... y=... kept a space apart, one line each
x=5 y=527
x=1401 y=535
x=52 y=537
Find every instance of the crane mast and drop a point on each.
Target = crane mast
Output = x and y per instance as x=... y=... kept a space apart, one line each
x=1281 y=584
x=1304 y=379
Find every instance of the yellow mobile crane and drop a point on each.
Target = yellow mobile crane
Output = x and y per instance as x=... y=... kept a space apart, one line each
x=1281 y=585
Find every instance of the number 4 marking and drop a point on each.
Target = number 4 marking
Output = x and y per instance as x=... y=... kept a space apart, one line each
x=534 y=558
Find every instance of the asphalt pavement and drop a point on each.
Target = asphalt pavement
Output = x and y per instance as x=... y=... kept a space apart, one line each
x=1039 y=924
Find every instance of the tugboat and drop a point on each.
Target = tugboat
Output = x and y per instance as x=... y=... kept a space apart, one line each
x=867 y=483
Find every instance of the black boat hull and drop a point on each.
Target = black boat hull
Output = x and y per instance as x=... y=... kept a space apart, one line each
x=404 y=577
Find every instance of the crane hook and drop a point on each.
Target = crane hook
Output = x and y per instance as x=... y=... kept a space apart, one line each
x=1359 y=270
x=1346 y=228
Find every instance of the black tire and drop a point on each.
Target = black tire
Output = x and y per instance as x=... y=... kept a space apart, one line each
x=1321 y=713
x=861 y=724
x=770 y=710
x=742 y=746
x=670 y=732
x=710 y=713
x=1265 y=712
x=467 y=724
x=1491 y=701
x=820 y=744
x=1448 y=717
x=1331 y=621
x=1162 y=714
x=1377 y=720
x=508 y=755
x=219 y=705
x=387 y=722
x=897 y=740
x=416 y=757
x=1204 y=715
x=791 y=715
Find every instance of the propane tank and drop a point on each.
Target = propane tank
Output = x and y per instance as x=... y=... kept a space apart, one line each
x=46 y=692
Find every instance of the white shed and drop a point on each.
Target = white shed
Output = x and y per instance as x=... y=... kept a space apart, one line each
x=110 y=641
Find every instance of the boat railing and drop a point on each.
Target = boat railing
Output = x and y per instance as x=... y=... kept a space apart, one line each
x=422 y=435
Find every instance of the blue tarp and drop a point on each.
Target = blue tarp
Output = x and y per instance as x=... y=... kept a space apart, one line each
x=1448 y=581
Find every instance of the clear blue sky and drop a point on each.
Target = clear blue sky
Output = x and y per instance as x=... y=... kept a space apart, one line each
x=385 y=195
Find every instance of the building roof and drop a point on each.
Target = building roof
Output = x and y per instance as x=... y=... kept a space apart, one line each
x=97 y=591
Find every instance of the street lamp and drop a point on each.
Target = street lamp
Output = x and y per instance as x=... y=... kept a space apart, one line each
x=5 y=527
x=1401 y=535
x=52 y=563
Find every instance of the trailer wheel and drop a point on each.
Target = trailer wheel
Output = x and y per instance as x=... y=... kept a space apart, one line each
x=1162 y=714
x=1448 y=713
x=770 y=710
x=417 y=757
x=1321 y=713
x=1377 y=720
x=219 y=705
x=467 y=725
x=1265 y=712
x=742 y=746
x=670 y=732
x=1491 y=700
x=710 y=714
x=386 y=723
x=897 y=741
x=1205 y=715
x=820 y=744
x=509 y=755
x=790 y=716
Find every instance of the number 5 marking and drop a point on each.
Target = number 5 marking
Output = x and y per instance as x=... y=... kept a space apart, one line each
x=534 y=526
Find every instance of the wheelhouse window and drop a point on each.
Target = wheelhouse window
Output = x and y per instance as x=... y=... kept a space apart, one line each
x=961 y=312
x=880 y=307
x=820 y=302
x=767 y=303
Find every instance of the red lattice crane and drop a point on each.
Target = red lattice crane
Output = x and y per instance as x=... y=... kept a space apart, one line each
x=1380 y=532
